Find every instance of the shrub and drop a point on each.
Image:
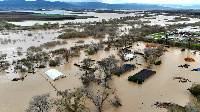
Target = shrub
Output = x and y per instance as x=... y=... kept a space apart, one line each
x=134 y=79
x=140 y=81
x=158 y=62
x=53 y=63
x=195 y=89
x=91 y=52
x=117 y=73
x=30 y=34
x=130 y=78
x=86 y=81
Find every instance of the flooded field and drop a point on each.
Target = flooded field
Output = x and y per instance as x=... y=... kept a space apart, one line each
x=160 y=87
x=140 y=98
x=99 y=16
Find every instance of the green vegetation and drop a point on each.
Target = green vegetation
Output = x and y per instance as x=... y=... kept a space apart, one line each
x=91 y=52
x=44 y=26
x=59 y=51
x=195 y=89
x=134 y=79
x=13 y=25
x=117 y=73
x=196 y=44
x=158 y=35
x=53 y=63
x=158 y=62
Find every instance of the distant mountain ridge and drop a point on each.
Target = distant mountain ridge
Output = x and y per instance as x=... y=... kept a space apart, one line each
x=73 y=5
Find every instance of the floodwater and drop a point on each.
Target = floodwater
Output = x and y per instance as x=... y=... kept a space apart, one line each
x=15 y=96
x=162 y=20
x=99 y=16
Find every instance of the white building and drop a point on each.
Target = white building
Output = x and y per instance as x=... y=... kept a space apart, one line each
x=54 y=74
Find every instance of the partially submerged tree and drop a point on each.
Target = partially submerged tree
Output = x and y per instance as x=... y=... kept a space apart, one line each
x=87 y=63
x=40 y=103
x=152 y=53
x=70 y=102
x=108 y=66
x=116 y=101
x=98 y=98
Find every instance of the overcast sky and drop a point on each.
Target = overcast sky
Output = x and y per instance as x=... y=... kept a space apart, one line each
x=185 y=2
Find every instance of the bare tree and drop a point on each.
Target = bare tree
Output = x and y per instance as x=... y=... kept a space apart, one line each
x=71 y=102
x=116 y=101
x=66 y=55
x=152 y=53
x=98 y=98
x=40 y=103
x=87 y=63
x=148 y=52
x=159 y=50
x=107 y=67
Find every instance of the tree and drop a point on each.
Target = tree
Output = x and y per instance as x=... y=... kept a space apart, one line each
x=152 y=53
x=195 y=89
x=71 y=102
x=159 y=50
x=40 y=103
x=87 y=63
x=98 y=98
x=148 y=52
x=116 y=101
x=66 y=55
x=107 y=67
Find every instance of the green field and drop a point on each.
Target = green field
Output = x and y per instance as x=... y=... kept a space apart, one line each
x=158 y=35
x=196 y=44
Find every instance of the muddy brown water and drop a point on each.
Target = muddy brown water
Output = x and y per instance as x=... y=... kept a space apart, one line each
x=15 y=96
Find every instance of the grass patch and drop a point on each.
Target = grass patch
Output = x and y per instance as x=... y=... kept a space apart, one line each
x=10 y=24
x=158 y=35
x=196 y=44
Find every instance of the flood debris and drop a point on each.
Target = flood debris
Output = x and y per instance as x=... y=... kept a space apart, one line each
x=167 y=105
x=198 y=69
x=181 y=79
x=182 y=49
x=16 y=79
x=184 y=66
x=189 y=59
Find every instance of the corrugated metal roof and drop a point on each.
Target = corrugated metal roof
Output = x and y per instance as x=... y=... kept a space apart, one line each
x=54 y=74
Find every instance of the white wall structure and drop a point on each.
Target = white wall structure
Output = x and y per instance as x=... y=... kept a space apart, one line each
x=54 y=74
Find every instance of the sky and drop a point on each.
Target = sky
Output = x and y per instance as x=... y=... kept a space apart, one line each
x=180 y=2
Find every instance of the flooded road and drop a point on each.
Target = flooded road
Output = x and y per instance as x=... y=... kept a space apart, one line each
x=15 y=96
